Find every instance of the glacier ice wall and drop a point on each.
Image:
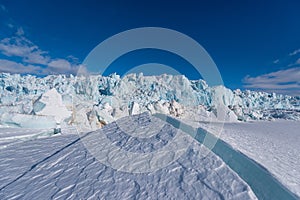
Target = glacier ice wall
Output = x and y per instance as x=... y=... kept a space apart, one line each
x=98 y=100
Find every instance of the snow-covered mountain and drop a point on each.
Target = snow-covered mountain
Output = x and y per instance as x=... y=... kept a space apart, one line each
x=90 y=102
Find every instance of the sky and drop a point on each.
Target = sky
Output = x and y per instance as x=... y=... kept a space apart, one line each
x=255 y=44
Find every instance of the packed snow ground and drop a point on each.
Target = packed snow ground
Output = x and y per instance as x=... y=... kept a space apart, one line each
x=61 y=167
x=13 y=136
x=273 y=144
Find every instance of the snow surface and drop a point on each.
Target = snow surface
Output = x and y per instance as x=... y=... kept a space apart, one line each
x=13 y=136
x=97 y=100
x=61 y=168
x=273 y=144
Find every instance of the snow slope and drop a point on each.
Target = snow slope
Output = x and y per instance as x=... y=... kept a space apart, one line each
x=61 y=167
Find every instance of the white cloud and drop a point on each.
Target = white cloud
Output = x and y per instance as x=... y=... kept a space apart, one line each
x=20 y=46
x=63 y=66
x=284 y=81
x=295 y=52
x=31 y=54
x=16 y=46
x=14 y=67
x=60 y=64
x=37 y=57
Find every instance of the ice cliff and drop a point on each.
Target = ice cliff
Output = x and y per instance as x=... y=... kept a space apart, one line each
x=91 y=102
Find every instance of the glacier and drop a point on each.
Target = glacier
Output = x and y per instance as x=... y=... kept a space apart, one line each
x=89 y=103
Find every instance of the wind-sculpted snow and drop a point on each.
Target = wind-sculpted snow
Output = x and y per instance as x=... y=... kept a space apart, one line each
x=98 y=100
x=62 y=168
x=275 y=145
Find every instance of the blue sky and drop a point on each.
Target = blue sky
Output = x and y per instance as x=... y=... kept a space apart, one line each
x=256 y=45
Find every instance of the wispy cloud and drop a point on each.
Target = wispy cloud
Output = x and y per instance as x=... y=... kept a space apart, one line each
x=31 y=55
x=3 y=8
x=295 y=63
x=283 y=81
x=10 y=25
x=295 y=52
